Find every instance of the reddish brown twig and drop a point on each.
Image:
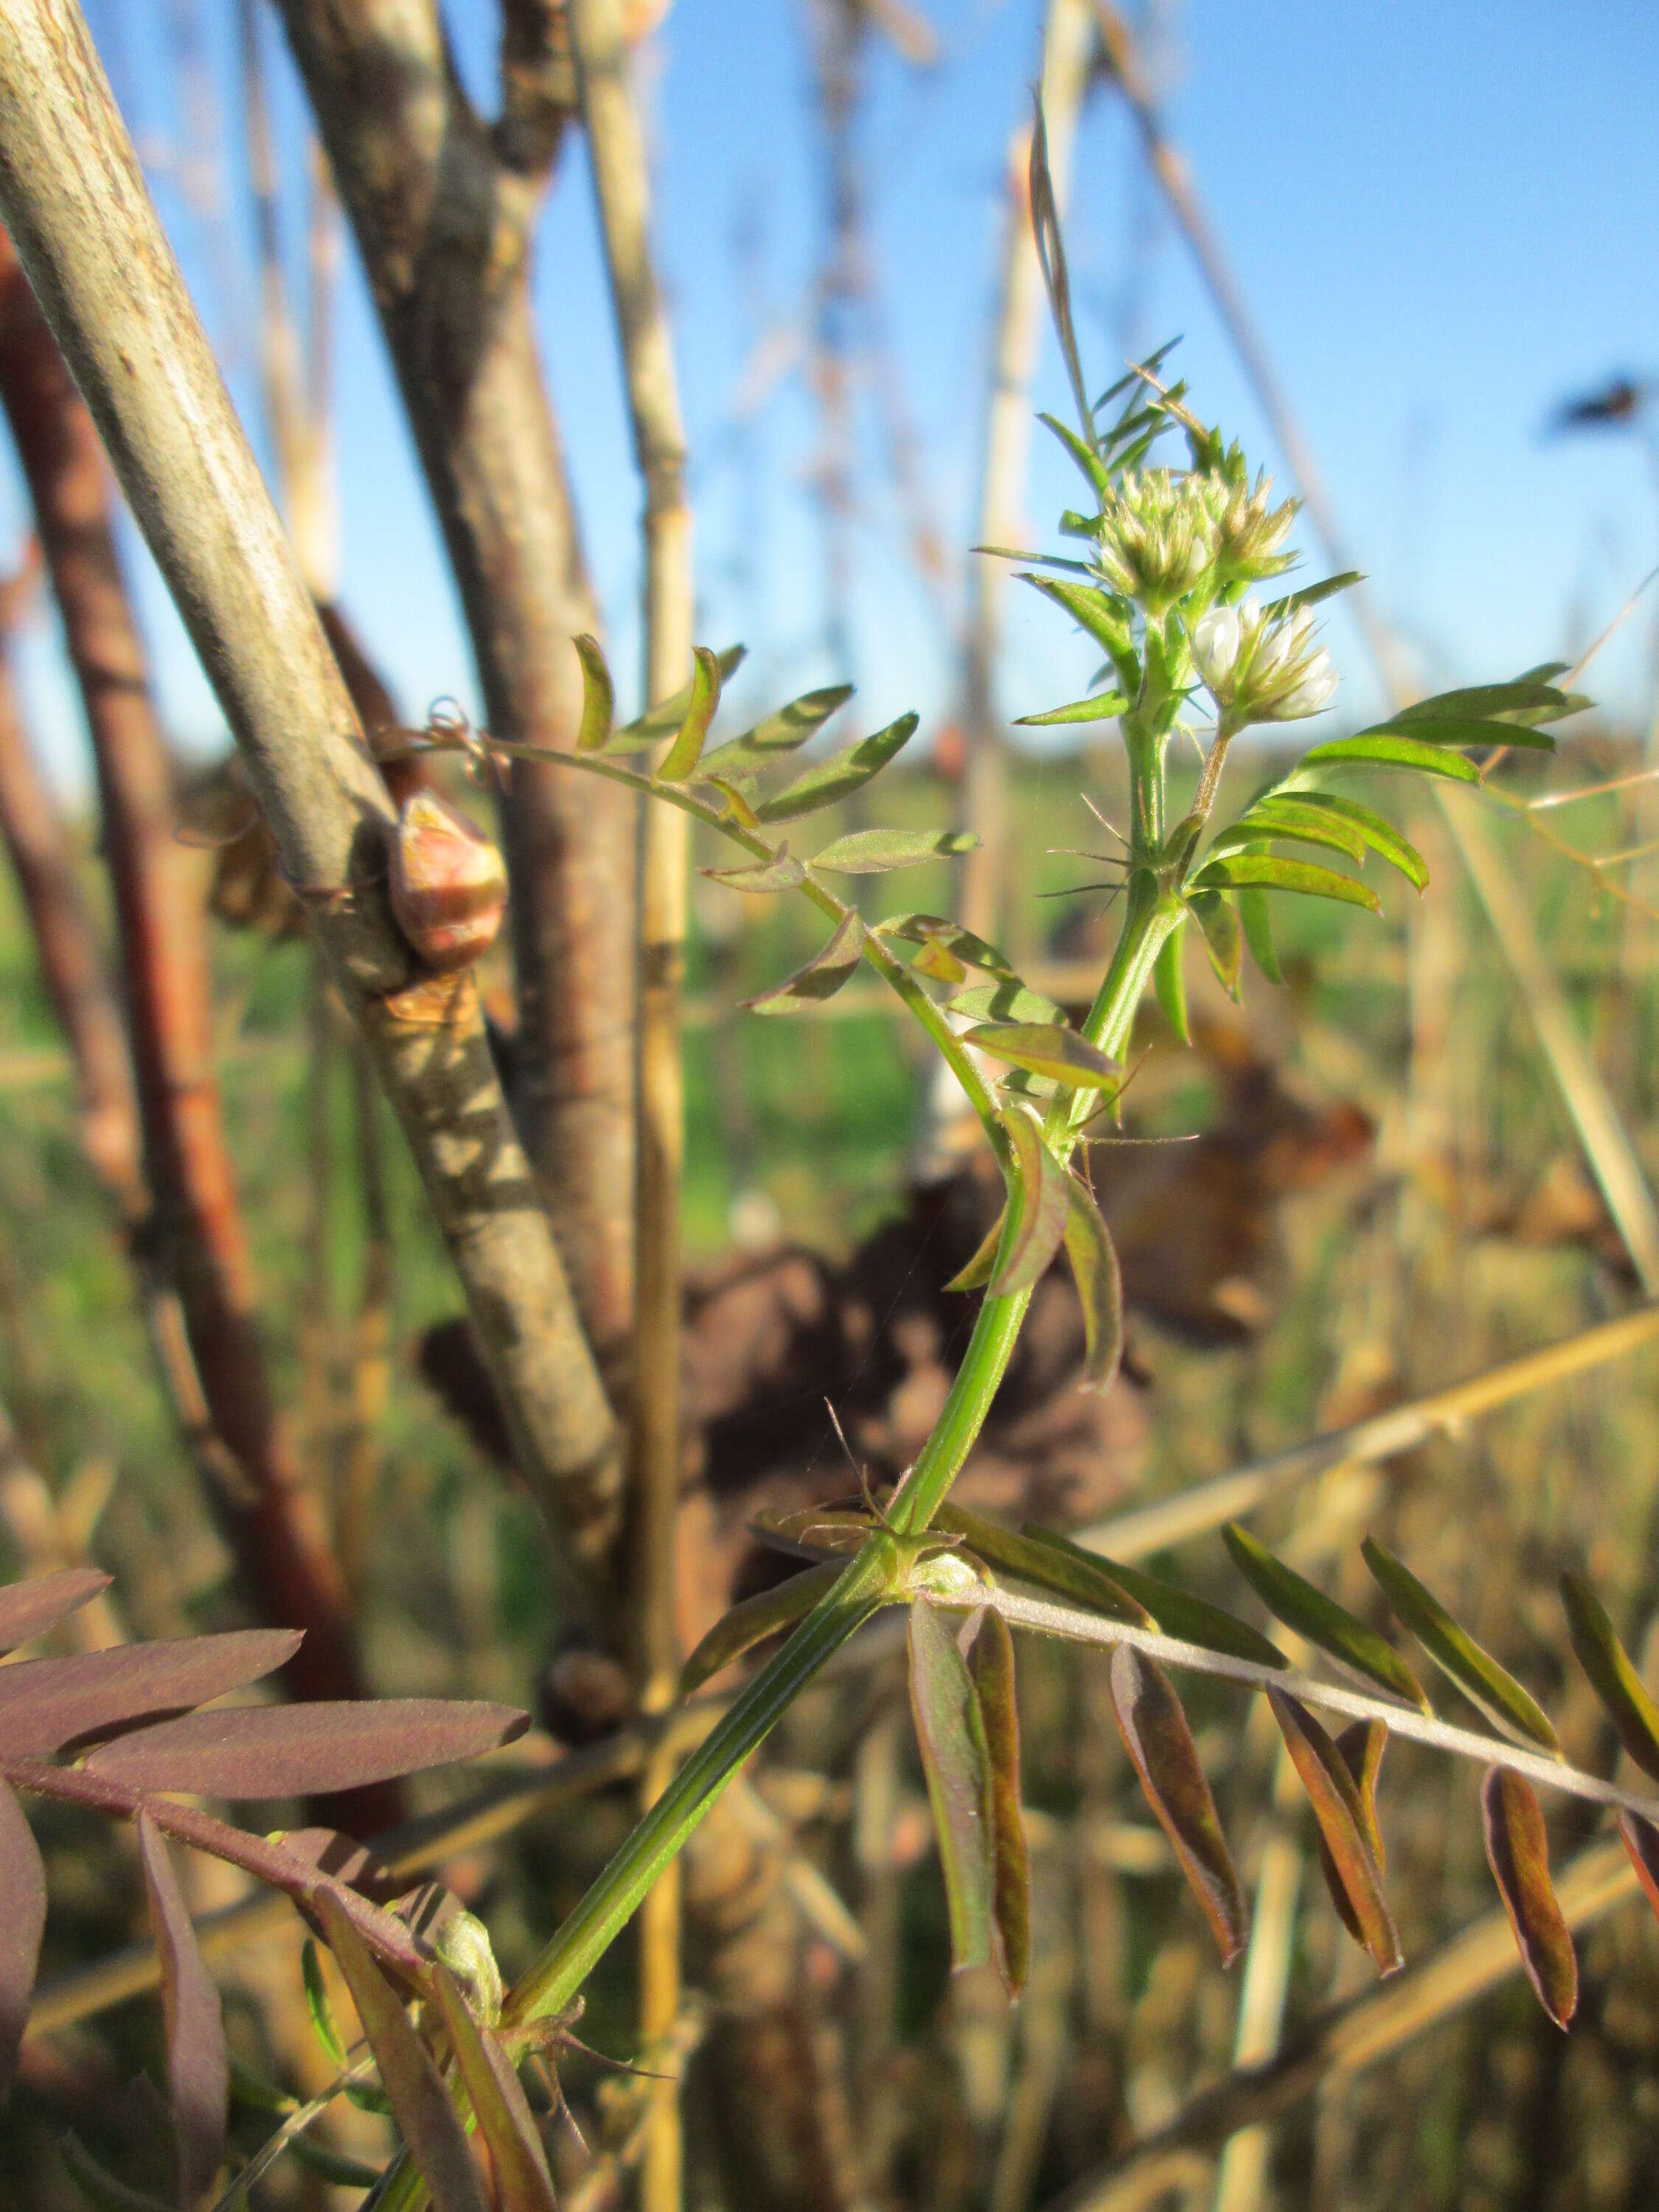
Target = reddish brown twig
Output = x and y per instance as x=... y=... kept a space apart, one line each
x=283 y=1557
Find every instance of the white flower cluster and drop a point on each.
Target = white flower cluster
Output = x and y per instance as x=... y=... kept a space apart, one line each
x=1262 y=668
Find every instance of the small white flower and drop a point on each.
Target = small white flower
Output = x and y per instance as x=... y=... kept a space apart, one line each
x=1261 y=668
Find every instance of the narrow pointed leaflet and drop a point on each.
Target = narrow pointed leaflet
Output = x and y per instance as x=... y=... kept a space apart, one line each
x=1159 y=1742
x=956 y=1764
x=523 y=2183
x=990 y=1655
x=1042 y=1190
x=1344 y=1824
x=1517 y=1849
x=47 y=1704
x=743 y=758
x=1172 y=1609
x=838 y=777
x=302 y=1751
x=1042 y=1048
x=1613 y=1677
x=873 y=852
x=1300 y=1605
x=22 y=1922
x=28 y=1608
x=198 y=2064
x=1457 y=1654
x=431 y=2126
x=822 y=976
x=598 y=696
x=752 y=1619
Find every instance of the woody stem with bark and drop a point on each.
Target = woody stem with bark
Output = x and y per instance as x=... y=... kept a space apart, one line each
x=75 y=202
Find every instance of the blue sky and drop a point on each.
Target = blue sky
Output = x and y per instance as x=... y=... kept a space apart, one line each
x=1444 y=218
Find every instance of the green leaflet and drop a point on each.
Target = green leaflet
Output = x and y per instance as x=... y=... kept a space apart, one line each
x=1311 y=595
x=1300 y=1605
x=844 y=772
x=1380 y=837
x=977 y=1272
x=1381 y=750
x=1043 y=1049
x=1175 y=1611
x=664 y=719
x=780 y=873
x=598 y=696
x=753 y=1618
x=683 y=755
x=317 y=2004
x=1099 y=1286
x=1272 y=872
x=1044 y=1204
x=1101 y=708
x=956 y=1764
x=1612 y=1676
x=1037 y=560
x=1169 y=981
x=1007 y=1002
x=872 y=852
x=1222 y=939
x=1479 y=702
x=1461 y=730
x=950 y=937
x=1099 y=475
x=822 y=976
x=1065 y=1569
x=1455 y=1652
x=744 y=757
x=1301 y=818
x=1103 y=615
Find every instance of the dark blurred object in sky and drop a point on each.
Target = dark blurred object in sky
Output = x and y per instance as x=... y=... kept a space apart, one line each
x=1614 y=406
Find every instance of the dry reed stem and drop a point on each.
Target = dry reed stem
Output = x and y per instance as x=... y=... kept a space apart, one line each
x=1202 y=1509
x=1607 y=1145
x=1348 y=2037
x=72 y=195
x=616 y=156
x=1068 y=52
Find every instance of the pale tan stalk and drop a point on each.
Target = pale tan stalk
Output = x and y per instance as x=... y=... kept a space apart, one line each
x=616 y=155
x=1068 y=44
x=72 y=195
x=1198 y=1511
x=295 y=401
x=1607 y=1144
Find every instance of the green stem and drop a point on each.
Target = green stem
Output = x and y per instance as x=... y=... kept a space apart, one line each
x=551 y=1983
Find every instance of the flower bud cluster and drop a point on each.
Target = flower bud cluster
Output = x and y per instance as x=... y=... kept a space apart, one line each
x=1250 y=532
x=1260 y=667
x=1157 y=535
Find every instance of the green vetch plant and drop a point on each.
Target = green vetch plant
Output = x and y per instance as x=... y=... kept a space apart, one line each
x=1166 y=578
